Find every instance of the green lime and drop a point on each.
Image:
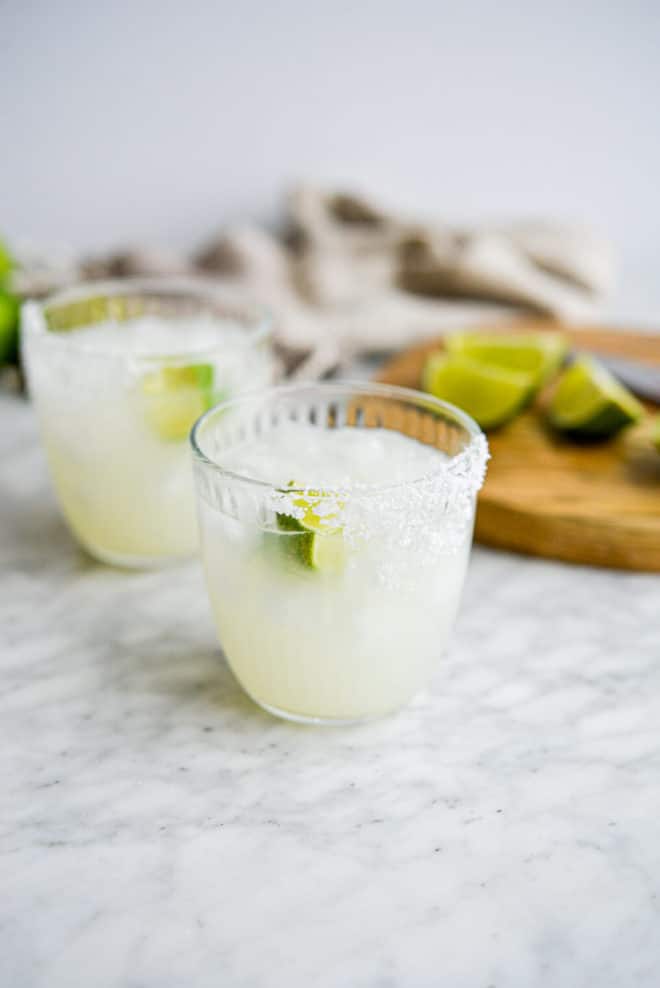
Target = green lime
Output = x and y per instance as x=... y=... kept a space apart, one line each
x=655 y=433
x=314 y=540
x=6 y=261
x=176 y=397
x=9 y=319
x=539 y=354
x=491 y=395
x=316 y=517
x=589 y=403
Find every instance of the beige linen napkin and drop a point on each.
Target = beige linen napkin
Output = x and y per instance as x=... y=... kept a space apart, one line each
x=348 y=277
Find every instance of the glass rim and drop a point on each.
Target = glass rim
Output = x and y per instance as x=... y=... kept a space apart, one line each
x=257 y=321
x=476 y=440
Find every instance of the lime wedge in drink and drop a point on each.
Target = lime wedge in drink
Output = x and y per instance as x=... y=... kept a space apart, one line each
x=316 y=517
x=491 y=395
x=590 y=403
x=314 y=540
x=539 y=354
x=176 y=397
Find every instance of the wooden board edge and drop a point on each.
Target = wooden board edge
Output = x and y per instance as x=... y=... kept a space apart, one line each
x=569 y=540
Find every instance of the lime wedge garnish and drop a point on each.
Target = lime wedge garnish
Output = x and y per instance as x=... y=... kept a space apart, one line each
x=316 y=550
x=316 y=517
x=539 y=354
x=590 y=403
x=491 y=395
x=176 y=397
x=315 y=540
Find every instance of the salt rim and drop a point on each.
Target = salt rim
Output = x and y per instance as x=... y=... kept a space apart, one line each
x=465 y=470
x=254 y=321
x=428 y=514
x=467 y=466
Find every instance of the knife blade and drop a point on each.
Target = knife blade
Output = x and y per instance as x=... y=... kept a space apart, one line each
x=642 y=379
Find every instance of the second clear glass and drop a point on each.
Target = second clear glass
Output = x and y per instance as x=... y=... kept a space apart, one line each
x=116 y=404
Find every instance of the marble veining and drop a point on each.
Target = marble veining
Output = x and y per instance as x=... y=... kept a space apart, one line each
x=157 y=830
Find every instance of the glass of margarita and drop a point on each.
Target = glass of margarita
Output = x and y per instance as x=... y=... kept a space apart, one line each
x=119 y=372
x=335 y=522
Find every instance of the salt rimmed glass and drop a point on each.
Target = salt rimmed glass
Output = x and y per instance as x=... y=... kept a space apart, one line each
x=359 y=639
x=115 y=419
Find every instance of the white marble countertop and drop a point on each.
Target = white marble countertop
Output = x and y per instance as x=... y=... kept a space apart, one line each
x=158 y=831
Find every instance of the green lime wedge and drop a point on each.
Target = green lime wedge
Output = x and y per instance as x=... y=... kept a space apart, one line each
x=314 y=540
x=175 y=397
x=316 y=517
x=491 y=395
x=655 y=433
x=9 y=319
x=589 y=403
x=539 y=354
x=6 y=261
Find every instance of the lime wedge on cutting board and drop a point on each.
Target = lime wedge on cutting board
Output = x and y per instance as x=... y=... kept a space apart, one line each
x=655 y=434
x=176 y=397
x=315 y=540
x=491 y=395
x=539 y=354
x=590 y=403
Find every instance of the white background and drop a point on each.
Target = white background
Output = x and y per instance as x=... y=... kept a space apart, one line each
x=158 y=122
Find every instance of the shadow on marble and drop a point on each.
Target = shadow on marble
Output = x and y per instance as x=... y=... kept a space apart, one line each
x=37 y=534
x=199 y=684
x=197 y=680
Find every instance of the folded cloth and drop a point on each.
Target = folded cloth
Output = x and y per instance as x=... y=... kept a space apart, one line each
x=348 y=277
x=349 y=249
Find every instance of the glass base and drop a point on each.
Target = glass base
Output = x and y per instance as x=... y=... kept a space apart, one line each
x=135 y=562
x=321 y=721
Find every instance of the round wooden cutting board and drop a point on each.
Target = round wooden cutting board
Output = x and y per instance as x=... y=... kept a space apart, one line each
x=597 y=504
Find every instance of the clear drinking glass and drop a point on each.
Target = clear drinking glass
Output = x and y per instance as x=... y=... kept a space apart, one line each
x=119 y=372
x=334 y=604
